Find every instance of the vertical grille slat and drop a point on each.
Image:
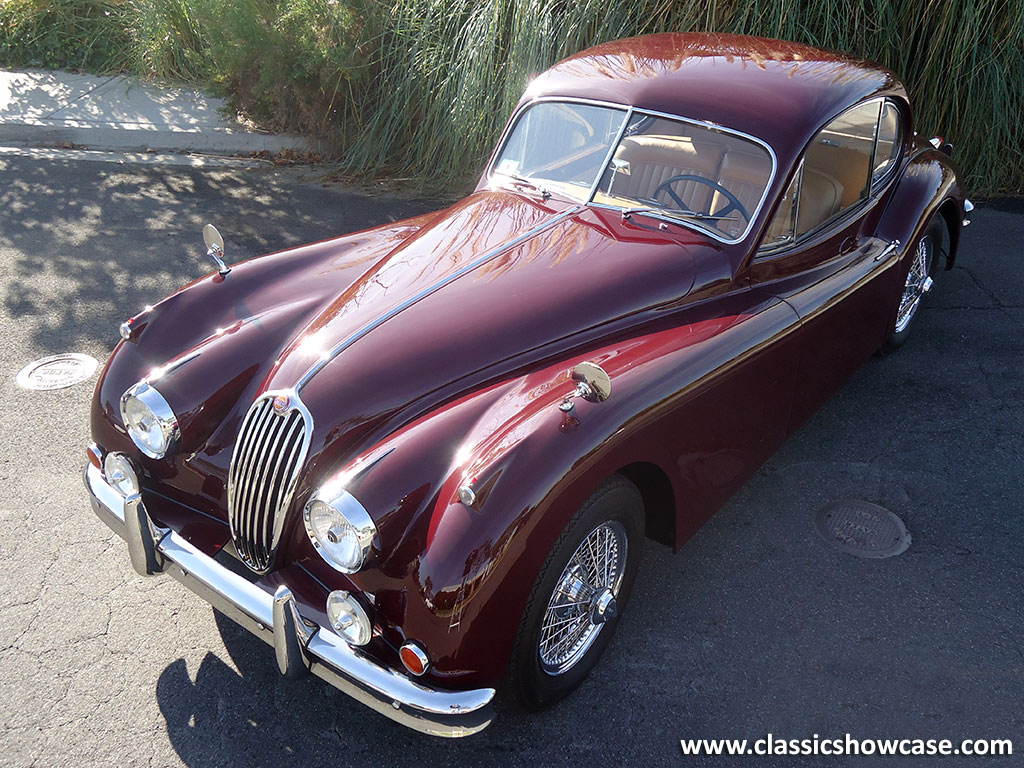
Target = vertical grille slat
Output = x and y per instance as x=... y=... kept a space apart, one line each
x=250 y=507
x=236 y=473
x=248 y=469
x=268 y=455
x=283 y=471
x=247 y=507
x=257 y=498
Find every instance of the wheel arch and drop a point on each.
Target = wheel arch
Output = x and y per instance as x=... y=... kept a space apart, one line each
x=929 y=185
x=950 y=212
x=658 y=499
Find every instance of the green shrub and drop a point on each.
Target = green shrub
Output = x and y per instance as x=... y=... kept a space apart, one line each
x=422 y=87
x=451 y=70
x=291 y=65
x=68 y=34
x=167 y=39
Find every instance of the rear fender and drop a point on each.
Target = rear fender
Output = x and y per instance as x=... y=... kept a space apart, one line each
x=928 y=185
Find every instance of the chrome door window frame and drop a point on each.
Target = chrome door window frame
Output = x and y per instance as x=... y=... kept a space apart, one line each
x=840 y=218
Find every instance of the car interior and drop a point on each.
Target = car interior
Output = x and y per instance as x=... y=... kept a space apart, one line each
x=654 y=154
x=673 y=165
x=834 y=174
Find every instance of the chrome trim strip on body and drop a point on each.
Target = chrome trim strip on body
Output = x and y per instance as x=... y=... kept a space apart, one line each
x=429 y=290
x=388 y=691
x=162 y=370
x=632 y=109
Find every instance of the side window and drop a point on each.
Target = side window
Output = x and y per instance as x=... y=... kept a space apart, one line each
x=783 y=224
x=841 y=163
x=887 y=150
x=837 y=167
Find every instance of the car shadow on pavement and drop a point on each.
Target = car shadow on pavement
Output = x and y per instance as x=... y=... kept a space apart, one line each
x=245 y=713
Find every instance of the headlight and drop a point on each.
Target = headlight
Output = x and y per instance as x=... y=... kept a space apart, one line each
x=341 y=531
x=119 y=473
x=150 y=421
x=348 y=618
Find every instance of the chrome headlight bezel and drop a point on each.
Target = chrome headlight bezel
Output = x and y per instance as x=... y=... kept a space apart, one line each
x=353 y=515
x=166 y=421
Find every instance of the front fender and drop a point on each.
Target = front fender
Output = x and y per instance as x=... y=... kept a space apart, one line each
x=464 y=573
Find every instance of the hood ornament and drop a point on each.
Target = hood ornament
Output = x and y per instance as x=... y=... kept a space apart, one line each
x=215 y=248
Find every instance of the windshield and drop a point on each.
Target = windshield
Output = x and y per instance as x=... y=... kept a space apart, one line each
x=560 y=145
x=690 y=173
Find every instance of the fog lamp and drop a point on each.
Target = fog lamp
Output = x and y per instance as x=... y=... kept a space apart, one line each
x=119 y=473
x=348 y=618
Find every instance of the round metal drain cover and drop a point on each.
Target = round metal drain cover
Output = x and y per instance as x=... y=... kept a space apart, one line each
x=57 y=371
x=862 y=528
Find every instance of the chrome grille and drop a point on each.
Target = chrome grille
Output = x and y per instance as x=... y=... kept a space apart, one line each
x=269 y=452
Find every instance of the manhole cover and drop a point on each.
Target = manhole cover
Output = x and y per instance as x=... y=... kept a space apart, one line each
x=862 y=528
x=57 y=371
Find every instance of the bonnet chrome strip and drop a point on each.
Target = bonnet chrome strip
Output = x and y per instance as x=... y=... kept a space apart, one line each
x=376 y=323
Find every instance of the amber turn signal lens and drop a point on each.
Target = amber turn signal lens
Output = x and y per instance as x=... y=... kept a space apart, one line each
x=95 y=455
x=414 y=659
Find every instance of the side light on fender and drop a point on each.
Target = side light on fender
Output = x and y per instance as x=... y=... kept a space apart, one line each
x=467 y=495
x=414 y=659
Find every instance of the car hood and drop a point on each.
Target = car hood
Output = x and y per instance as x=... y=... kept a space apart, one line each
x=497 y=285
x=372 y=331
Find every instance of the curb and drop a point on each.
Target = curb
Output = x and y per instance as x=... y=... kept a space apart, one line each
x=139 y=137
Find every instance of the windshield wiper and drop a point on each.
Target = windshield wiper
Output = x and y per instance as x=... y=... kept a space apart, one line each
x=662 y=213
x=523 y=181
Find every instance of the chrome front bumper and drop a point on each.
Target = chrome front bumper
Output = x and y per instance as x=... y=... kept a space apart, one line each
x=299 y=645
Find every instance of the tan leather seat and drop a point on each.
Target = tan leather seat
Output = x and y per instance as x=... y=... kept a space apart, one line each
x=655 y=159
x=847 y=166
x=820 y=197
x=745 y=175
x=819 y=201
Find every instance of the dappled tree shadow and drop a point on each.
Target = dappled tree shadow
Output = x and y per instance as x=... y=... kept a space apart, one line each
x=94 y=242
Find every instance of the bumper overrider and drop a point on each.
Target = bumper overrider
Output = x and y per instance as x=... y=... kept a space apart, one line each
x=299 y=645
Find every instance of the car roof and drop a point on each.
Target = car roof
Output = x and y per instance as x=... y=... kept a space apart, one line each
x=778 y=91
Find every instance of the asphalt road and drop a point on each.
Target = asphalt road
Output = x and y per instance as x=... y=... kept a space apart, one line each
x=756 y=627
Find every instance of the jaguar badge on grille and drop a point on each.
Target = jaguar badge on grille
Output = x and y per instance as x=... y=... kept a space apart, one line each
x=281 y=403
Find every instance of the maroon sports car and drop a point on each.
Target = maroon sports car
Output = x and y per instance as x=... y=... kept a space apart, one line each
x=423 y=459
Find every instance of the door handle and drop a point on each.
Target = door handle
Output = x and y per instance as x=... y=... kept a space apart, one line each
x=892 y=247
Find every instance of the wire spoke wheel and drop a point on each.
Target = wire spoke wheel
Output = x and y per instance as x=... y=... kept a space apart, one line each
x=918 y=283
x=584 y=598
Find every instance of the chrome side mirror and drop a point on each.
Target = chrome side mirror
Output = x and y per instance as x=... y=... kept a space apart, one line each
x=593 y=384
x=215 y=247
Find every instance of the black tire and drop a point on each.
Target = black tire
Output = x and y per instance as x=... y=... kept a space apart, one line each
x=614 y=508
x=932 y=240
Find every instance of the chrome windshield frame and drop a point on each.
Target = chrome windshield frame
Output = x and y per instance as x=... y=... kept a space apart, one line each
x=631 y=110
x=626 y=109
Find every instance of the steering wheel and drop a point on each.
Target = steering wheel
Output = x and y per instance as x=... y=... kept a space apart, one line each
x=734 y=203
